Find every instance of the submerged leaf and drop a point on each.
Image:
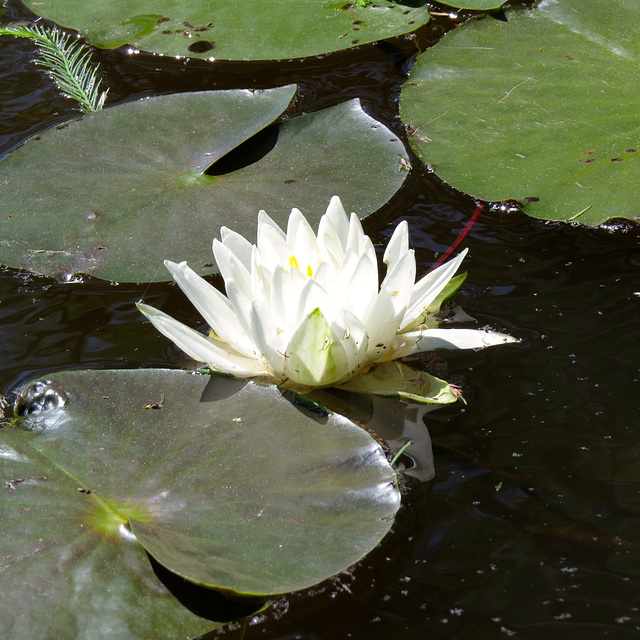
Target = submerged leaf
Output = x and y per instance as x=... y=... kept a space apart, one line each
x=67 y=62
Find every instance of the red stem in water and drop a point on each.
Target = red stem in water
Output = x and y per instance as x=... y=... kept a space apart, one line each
x=461 y=237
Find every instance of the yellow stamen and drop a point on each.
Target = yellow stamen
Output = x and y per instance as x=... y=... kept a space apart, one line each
x=214 y=336
x=309 y=270
x=293 y=262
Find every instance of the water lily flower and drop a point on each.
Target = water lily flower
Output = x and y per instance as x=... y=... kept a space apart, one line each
x=306 y=311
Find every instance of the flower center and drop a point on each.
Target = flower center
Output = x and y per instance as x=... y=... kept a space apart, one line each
x=293 y=262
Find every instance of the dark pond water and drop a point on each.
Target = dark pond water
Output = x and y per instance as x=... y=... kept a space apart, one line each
x=530 y=528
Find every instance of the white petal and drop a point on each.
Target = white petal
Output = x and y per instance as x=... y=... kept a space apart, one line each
x=214 y=307
x=398 y=245
x=218 y=355
x=296 y=218
x=325 y=276
x=285 y=292
x=338 y=216
x=356 y=240
x=354 y=340
x=271 y=344
x=427 y=289
x=272 y=245
x=260 y=277
x=430 y=339
x=367 y=249
x=303 y=245
x=329 y=242
x=238 y=245
x=265 y=220
x=383 y=320
x=312 y=296
x=231 y=267
x=241 y=304
x=357 y=285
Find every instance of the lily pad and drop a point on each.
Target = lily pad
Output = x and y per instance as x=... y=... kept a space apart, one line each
x=227 y=484
x=479 y=5
x=540 y=109
x=66 y=572
x=115 y=193
x=235 y=29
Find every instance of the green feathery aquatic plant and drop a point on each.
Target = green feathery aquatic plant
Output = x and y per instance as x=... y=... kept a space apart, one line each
x=68 y=64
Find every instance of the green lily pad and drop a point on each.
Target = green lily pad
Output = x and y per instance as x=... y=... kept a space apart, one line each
x=65 y=570
x=235 y=29
x=115 y=193
x=227 y=484
x=540 y=109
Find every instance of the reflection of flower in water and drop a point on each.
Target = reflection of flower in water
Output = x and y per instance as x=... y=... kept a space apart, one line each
x=305 y=311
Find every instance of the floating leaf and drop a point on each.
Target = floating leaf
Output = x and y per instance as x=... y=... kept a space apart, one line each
x=66 y=572
x=115 y=193
x=540 y=109
x=235 y=29
x=225 y=483
x=480 y=5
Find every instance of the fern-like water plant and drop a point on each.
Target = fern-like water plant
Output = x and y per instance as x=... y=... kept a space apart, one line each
x=67 y=62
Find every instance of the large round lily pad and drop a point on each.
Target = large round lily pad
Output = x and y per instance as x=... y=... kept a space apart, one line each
x=541 y=109
x=226 y=483
x=235 y=29
x=115 y=193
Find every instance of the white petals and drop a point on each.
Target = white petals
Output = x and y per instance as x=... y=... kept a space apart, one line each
x=272 y=245
x=427 y=290
x=339 y=219
x=202 y=348
x=305 y=310
x=383 y=319
x=238 y=245
x=431 y=339
x=398 y=244
x=212 y=305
